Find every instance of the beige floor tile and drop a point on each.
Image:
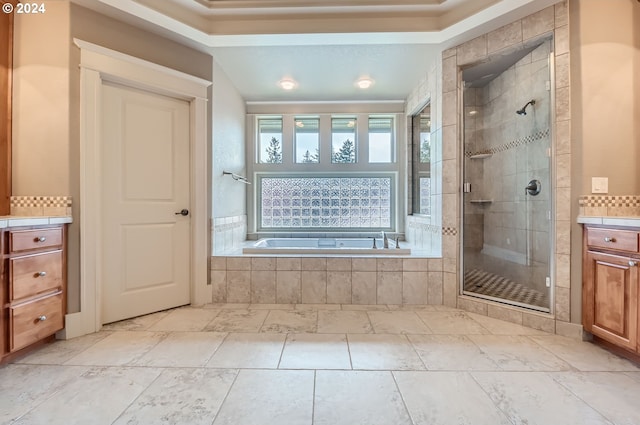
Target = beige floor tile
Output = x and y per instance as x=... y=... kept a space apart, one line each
x=447 y=398
x=290 y=321
x=269 y=397
x=365 y=307
x=318 y=307
x=181 y=396
x=451 y=323
x=383 y=352
x=634 y=375
x=118 y=349
x=271 y=306
x=249 y=351
x=342 y=322
x=413 y=307
x=238 y=321
x=450 y=352
x=97 y=397
x=140 y=323
x=518 y=353
x=584 y=355
x=397 y=322
x=227 y=306
x=185 y=319
x=315 y=351
x=60 y=351
x=23 y=387
x=500 y=327
x=358 y=397
x=612 y=394
x=536 y=399
x=183 y=349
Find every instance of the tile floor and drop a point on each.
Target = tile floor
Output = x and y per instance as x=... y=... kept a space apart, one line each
x=323 y=365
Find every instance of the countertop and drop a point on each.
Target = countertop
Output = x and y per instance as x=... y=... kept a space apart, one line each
x=610 y=220
x=17 y=221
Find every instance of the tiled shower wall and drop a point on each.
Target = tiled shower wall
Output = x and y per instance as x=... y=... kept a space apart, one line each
x=326 y=280
x=499 y=218
x=552 y=20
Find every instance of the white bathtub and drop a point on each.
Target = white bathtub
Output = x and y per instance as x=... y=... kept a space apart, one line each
x=344 y=246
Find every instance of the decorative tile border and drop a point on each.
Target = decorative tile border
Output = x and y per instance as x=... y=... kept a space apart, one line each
x=41 y=201
x=609 y=205
x=539 y=135
x=609 y=201
x=35 y=206
x=449 y=231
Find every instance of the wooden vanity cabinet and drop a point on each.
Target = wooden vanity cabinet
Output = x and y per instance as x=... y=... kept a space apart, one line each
x=611 y=282
x=33 y=292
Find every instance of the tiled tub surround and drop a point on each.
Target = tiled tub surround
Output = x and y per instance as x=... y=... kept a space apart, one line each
x=228 y=233
x=327 y=280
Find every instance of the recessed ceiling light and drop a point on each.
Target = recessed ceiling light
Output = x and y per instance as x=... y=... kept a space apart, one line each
x=287 y=84
x=364 y=82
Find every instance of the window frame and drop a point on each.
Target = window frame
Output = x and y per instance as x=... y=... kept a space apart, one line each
x=326 y=168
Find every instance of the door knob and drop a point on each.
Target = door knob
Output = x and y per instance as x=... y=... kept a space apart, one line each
x=184 y=211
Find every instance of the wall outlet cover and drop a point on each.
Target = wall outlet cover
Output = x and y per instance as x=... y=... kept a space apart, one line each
x=599 y=185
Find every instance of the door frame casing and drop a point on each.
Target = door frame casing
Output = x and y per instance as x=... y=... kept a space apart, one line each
x=97 y=65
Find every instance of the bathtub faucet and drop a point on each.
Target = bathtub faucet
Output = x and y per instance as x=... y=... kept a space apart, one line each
x=385 y=241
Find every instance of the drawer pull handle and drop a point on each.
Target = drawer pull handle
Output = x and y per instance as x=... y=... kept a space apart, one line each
x=41 y=274
x=633 y=263
x=42 y=318
x=41 y=239
x=610 y=240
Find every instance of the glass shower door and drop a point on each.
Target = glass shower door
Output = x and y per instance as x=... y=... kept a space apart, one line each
x=507 y=190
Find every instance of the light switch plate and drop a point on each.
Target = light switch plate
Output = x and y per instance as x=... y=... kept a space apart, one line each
x=599 y=185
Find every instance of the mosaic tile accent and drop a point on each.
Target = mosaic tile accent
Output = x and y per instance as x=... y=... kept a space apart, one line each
x=537 y=136
x=609 y=205
x=41 y=201
x=609 y=201
x=449 y=231
x=324 y=202
x=35 y=206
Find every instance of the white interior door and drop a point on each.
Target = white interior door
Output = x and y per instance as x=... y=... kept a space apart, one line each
x=145 y=182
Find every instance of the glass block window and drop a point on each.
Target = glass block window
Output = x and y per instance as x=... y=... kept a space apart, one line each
x=425 y=195
x=307 y=140
x=270 y=140
x=325 y=202
x=343 y=140
x=380 y=139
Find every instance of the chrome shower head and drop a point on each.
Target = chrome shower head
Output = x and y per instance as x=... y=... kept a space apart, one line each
x=523 y=110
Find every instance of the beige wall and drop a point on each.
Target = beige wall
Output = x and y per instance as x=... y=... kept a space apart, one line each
x=46 y=139
x=605 y=108
x=41 y=102
x=605 y=40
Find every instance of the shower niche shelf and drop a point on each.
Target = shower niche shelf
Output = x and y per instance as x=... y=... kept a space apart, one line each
x=481 y=201
x=481 y=156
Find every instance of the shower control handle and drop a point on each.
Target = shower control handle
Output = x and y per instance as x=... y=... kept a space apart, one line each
x=533 y=187
x=610 y=240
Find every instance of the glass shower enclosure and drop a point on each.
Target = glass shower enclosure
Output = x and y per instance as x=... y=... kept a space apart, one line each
x=507 y=190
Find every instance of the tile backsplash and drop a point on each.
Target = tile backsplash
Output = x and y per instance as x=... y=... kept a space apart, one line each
x=41 y=205
x=609 y=205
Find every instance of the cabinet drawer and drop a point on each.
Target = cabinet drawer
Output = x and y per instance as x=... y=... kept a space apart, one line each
x=35 y=274
x=619 y=240
x=27 y=240
x=30 y=322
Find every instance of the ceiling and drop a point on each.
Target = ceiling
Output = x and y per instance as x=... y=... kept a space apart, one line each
x=324 y=45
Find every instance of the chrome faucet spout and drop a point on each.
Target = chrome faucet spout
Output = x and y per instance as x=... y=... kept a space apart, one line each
x=385 y=240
